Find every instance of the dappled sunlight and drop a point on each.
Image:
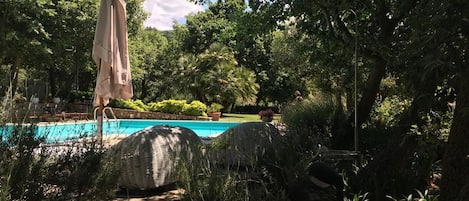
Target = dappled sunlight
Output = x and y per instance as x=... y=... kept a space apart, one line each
x=149 y=156
x=245 y=143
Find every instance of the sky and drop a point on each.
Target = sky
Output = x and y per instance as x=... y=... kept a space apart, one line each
x=162 y=13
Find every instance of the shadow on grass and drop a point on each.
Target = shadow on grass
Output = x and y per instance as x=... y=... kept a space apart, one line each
x=167 y=192
x=239 y=117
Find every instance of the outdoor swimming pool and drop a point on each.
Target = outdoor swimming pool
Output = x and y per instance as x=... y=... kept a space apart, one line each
x=63 y=131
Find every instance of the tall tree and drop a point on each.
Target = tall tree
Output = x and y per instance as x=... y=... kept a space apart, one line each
x=393 y=38
x=249 y=37
x=146 y=57
x=290 y=69
x=22 y=34
x=453 y=26
x=71 y=38
x=54 y=38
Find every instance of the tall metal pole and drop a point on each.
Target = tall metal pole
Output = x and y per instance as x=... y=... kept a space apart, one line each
x=100 y=115
x=100 y=121
x=355 y=84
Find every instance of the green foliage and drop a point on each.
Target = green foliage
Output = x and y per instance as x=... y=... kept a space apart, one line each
x=86 y=174
x=51 y=41
x=139 y=105
x=286 y=166
x=168 y=106
x=314 y=120
x=245 y=34
x=203 y=179
x=135 y=16
x=290 y=66
x=279 y=175
x=419 y=196
x=33 y=169
x=212 y=184
x=81 y=96
x=195 y=108
x=215 y=76
x=359 y=197
x=386 y=112
x=147 y=56
x=220 y=143
x=5 y=107
x=129 y=104
x=21 y=171
x=76 y=171
x=214 y=107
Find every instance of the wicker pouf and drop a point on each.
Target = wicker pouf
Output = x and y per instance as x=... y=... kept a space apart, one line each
x=147 y=158
x=244 y=144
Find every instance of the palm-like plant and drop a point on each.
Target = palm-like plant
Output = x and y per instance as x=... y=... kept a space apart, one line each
x=216 y=76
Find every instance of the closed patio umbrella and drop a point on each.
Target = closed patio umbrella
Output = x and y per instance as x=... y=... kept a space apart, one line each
x=110 y=53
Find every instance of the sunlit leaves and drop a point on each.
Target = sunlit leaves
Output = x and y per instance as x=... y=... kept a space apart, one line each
x=215 y=76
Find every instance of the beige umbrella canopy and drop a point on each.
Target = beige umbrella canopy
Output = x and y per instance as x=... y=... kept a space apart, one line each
x=110 y=53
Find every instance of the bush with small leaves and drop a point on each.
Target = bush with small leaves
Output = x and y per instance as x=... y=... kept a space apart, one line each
x=138 y=105
x=195 y=108
x=170 y=106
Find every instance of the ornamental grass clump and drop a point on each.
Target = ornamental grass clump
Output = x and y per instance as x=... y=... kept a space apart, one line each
x=313 y=121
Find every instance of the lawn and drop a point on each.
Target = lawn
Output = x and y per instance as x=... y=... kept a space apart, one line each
x=242 y=117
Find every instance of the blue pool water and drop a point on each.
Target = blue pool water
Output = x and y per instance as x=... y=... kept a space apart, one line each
x=64 y=131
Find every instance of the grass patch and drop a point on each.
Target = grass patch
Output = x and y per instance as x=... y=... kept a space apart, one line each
x=243 y=117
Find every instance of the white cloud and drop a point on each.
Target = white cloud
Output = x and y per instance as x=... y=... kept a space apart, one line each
x=162 y=13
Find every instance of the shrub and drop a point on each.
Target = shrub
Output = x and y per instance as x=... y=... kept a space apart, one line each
x=171 y=106
x=214 y=107
x=32 y=170
x=168 y=106
x=279 y=175
x=195 y=108
x=140 y=106
x=5 y=107
x=29 y=171
x=129 y=104
x=387 y=111
x=83 y=172
x=81 y=96
x=20 y=168
x=313 y=121
x=202 y=179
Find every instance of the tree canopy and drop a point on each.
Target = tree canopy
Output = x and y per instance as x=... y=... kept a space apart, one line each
x=410 y=59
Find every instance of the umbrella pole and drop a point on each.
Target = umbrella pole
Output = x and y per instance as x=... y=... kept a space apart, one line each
x=100 y=121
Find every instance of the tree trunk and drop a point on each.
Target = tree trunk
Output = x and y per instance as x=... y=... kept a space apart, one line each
x=369 y=92
x=144 y=93
x=14 y=70
x=455 y=180
x=344 y=139
x=13 y=79
x=388 y=169
x=52 y=83
x=3 y=32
